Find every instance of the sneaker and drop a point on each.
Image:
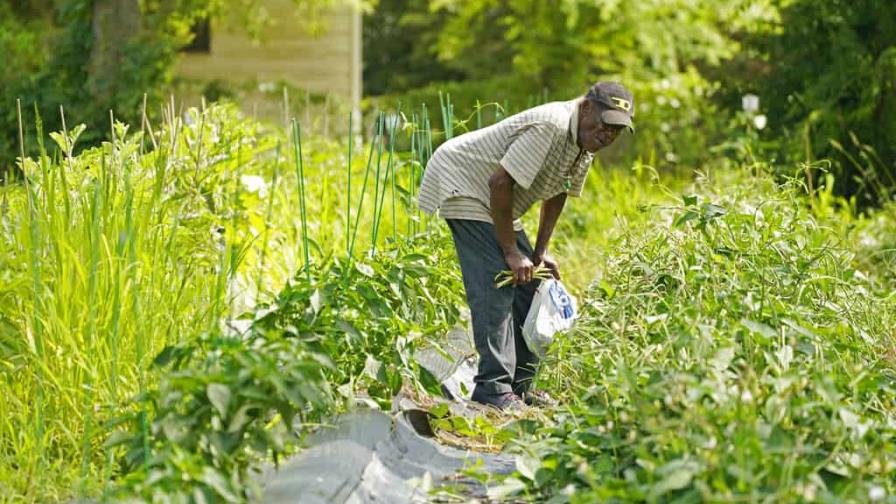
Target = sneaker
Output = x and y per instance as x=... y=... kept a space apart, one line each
x=508 y=401
x=539 y=399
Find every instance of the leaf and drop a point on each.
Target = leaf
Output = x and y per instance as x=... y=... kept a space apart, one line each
x=240 y=418
x=608 y=289
x=350 y=330
x=364 y=269
x=712 y=211
x=759 y=327
x=439 y=410
x=799 y=329
x=688 y=215
x=678 y=475
x=218 y=483
x=315 y=300
x=785 y=356
x=722 y=359
x=373 y=368
x=527 y=466
x=508 y=487
x=118 y=438
x=219 y=395
x=168 y=354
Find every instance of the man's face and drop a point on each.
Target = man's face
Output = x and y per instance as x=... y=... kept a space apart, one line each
x=593 y=133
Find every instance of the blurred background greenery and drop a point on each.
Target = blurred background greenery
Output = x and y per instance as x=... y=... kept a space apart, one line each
x=824 y=70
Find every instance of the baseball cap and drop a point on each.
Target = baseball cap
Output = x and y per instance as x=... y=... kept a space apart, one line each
x=618 y=102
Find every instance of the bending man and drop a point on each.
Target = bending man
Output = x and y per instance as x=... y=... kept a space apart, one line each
x=482 y=182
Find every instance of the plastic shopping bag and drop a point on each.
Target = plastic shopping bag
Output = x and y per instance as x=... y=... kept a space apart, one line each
x=553 y=310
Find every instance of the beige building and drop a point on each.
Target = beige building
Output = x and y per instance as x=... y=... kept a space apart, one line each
x=329 y=63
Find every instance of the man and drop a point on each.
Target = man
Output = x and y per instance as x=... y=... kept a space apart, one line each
x=482 y=182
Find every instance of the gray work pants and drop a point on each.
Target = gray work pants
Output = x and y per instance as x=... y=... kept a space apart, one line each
x=505 y=362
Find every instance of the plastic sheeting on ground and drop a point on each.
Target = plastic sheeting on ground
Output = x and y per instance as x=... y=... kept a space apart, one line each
x=372 y=457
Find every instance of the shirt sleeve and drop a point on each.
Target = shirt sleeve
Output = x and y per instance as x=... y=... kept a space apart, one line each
x=527 y=153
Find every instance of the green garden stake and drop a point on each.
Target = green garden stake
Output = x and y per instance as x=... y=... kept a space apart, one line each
x=363 y=190
x=376 y=186
x=300 y=175
x=348 y=197
x=413 y=182
x=392 y=170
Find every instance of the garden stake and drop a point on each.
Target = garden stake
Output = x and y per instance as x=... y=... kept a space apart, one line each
x=391 y=171
x=297 y=142
x=376 y=187
x=268 y=215
x=348 y=197
x=68 y=154
x=363 y=190
x=413 y=182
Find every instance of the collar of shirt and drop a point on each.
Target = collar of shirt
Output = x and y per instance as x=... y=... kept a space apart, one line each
x=574 y=122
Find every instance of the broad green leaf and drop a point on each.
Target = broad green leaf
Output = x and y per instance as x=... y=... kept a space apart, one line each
x=218 y=482
x=759 y=327
x=508 y=487
x=219 y=396
x=527 y=466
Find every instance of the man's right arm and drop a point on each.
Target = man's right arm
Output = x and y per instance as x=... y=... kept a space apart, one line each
x=501 y=195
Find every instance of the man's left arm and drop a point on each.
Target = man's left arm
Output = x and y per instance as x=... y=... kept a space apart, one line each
x=550 y=212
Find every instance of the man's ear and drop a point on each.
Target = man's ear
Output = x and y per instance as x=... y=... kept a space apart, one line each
x=587 y=106
x=590 y=107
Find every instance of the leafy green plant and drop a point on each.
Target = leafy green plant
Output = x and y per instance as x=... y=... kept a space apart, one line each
x=729 y=350
x=368 y=315
x=227 y=403
x=223 y=404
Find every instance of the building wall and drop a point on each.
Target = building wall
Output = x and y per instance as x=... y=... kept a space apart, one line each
x=328 y=63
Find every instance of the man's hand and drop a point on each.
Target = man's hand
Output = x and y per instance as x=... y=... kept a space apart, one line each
x=549 y=262
x=521 y=267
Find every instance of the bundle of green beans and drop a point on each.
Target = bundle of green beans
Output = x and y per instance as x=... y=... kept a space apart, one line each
x=505 y=278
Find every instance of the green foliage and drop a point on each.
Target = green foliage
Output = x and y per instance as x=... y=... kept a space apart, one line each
x=56 y=59
x=825 y=72
x=227 y=403
x=62 y=72
x=223 y=404
x=23 y=52
x=774 y=380
x=522 y=53
x=107 y=257
x=369 y=315
x=400 y=47
x=143 y=243
x=156 y=237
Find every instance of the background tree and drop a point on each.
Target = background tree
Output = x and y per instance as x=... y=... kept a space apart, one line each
x=826 y=74
x=400 y=46
x=93 y=56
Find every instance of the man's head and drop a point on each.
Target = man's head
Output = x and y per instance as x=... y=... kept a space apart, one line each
x=607 y=109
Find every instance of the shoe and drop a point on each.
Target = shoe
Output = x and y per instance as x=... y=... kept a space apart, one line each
x=539 y=399
x=508 y=401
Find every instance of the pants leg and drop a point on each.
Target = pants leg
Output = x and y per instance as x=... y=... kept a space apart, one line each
x=505 y=362
x=526 y=361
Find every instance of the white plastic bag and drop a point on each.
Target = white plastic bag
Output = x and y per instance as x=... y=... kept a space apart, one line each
x=553 y=310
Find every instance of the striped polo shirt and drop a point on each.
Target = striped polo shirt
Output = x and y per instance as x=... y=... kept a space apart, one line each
x=536 y=147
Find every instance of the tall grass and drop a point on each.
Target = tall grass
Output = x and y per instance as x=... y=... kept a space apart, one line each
x=153 y=238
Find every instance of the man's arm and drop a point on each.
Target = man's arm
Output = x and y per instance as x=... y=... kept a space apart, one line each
x=501 y=188
x=550 y=212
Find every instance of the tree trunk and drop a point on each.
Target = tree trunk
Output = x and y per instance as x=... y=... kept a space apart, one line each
x=115 y=23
